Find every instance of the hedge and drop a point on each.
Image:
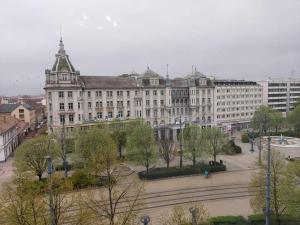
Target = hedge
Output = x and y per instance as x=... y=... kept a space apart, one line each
x=229 y=220
x=259 y=219
x=70 y=166
x=158 y=173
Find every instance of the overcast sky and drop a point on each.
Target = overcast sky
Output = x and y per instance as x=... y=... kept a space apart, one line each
x=240 y=39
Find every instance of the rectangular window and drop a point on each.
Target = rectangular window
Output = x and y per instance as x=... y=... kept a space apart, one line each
x=61 y=106
x=61 y=94
x=128 y=113
x=71 y=118
x=62 y=119
x=162 y=92
x=147 y=102
x=147 y=92
x=154 y=92
x=161 y=102
x=79 y=117
x=109 y=93
x=148 y=112
x=70 y=94
x=89 y=105
x=70 y=105
x=120 y=114
x=50 y=96
x=110 y=115
x=155 y=102
x=78 y=105
x=128 y=94
x=128 y=103
x=90 y=116
x=99 y=115
x=89 y=94
x=50 y=106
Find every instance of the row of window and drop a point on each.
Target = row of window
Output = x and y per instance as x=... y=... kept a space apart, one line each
x=239 y=90
x=240 y=102
x=237 y=96
x=233 y=115
x=229 y=109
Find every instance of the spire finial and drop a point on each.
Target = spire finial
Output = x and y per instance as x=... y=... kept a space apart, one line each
x=192 y=69
x=167 y=69
x=61 y=44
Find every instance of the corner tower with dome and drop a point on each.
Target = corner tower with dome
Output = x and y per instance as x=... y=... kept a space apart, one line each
x=74 y=99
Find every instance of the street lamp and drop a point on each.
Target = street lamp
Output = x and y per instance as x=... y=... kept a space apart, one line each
x=194 y=211
x=51 y=205
x=268 y=184
x=251 y=139
x=145 y=220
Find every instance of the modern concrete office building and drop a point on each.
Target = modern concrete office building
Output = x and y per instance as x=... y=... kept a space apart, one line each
x=235 y=103
x=281 y=93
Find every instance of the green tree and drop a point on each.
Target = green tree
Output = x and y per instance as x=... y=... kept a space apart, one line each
x=277 y=120
x=141 y=146
x=284 y=191
x=215 y=139
x=293 y=119
x=120 y=138
x=262 y=119
x=262 y=122
x=105 y=204
x=194 y=140
x=21 y=205
x=31 y=155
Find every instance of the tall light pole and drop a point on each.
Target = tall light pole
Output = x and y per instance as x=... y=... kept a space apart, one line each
x=64 y=151
x=180 y=142
x=51 y=205
x=268 y=182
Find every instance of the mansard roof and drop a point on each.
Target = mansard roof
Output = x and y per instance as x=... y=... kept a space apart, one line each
x=195 y=74
x=179 y=82
x=105 y=82
x=150 y=73
x=62 y=61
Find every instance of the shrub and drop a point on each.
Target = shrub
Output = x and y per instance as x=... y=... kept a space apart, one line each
x=229 y=220
x=245 y=138
x=71 y=166
x=80 y=179
x=158 y=173
x=231 y=148
x=259 y=219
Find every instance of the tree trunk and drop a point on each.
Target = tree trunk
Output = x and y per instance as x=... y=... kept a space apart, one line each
x=168 y=164
x=120 y=151
x=194 y=161
x=40 y=176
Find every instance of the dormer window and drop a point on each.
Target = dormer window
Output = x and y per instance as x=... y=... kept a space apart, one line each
x=64 y=76
x=154 y=82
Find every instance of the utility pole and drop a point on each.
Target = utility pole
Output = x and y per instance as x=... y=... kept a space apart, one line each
x=180 y=142
x=260 y=144
x=63 y=146
x=268 y=181
x=51 y=205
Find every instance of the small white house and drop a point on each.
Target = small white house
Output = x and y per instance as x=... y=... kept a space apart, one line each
x=8 y=136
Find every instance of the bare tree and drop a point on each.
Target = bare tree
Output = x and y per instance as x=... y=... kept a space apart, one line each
x=167 y=150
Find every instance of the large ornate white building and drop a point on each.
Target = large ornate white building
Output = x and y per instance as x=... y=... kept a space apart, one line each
x=76 y=99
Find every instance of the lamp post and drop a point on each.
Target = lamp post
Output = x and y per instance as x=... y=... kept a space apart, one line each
x=251 y=139
x=145 y=220
x=181 y=150
x=64 y=151
x=268 y=182
x=194 y=211
x=51 y=205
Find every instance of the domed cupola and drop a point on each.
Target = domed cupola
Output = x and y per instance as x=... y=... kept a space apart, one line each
x=62 y=71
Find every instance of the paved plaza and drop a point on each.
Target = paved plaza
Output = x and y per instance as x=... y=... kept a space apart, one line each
x=224 y=193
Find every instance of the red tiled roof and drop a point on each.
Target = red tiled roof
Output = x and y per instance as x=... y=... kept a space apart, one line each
x=21 y=126
x=7 y=122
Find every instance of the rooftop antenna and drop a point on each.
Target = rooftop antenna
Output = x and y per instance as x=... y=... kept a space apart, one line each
x=167 y=69
x=192 y=69
x=60 y=32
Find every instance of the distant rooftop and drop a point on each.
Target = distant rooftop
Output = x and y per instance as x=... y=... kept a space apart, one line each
x=8 y=108
x=7 y=122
